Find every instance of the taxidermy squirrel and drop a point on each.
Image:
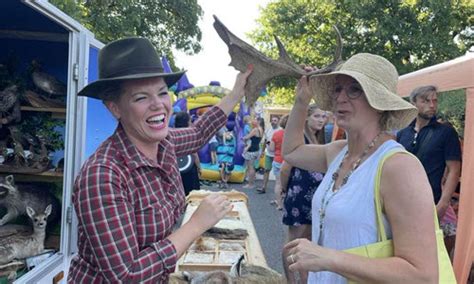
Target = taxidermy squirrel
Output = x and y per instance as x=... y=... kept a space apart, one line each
x=20 y=246
x=17 y=197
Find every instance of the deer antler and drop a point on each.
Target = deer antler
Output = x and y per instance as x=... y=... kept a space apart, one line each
x=265 y=68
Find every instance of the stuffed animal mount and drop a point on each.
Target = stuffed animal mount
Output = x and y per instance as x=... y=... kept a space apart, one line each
x=9 y=105
x=20 y=246
x=23 y=152
x=264 y=68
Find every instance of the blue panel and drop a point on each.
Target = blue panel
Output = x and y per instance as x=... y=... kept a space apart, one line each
x=15 y=15
x=100 y=122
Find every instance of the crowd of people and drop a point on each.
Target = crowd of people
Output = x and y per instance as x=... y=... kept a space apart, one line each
x=128 y=197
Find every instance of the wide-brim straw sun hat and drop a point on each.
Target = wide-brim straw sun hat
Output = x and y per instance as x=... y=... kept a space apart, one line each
x=377 y=77
x=127 y=59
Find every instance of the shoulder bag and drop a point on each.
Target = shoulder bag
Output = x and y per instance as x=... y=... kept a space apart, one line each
x=384 y=247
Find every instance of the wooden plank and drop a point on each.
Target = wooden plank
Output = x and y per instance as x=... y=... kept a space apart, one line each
x=48 y=176
x=451 y=75
x=45 y=109
x=464 y=250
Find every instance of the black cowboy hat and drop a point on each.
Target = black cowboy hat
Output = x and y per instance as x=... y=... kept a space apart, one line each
x=127 y=59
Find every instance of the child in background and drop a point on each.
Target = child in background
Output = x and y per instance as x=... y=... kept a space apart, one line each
x=247 y=129
x=226 y=165
x=252 y=152
x=213 y=148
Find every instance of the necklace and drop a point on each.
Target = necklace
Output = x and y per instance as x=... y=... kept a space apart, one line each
x=332 y=185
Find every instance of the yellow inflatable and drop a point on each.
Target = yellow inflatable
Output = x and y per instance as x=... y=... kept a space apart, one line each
x=237 y=175
x=198 y=97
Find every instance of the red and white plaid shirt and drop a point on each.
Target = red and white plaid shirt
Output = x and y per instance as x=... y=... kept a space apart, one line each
x=127 y=205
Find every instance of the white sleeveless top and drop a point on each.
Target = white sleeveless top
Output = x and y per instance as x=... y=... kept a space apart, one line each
x=350 y=214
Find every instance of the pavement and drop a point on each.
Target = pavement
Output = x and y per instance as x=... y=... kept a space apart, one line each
x=266 y=220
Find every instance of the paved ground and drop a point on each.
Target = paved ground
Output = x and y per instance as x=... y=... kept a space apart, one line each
x=267 y=221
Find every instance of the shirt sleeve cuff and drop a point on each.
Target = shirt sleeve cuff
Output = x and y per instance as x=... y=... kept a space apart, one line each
x=167 y=252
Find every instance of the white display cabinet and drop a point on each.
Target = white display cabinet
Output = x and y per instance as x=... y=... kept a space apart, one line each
x=38 y=31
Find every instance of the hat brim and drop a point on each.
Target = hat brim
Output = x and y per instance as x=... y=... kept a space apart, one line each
x=378 y=96
x=96 y=88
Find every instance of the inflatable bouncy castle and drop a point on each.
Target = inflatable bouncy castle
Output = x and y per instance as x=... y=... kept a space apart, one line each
x=196 y=101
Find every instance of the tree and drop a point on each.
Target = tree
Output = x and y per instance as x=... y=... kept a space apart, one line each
x=409 y=33
x=167 y=23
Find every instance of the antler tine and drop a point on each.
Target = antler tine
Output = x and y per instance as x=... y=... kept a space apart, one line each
x=286 y=59
x=337 y=56
x=221 y=29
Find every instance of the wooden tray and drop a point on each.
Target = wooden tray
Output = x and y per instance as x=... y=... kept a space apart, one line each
x=238 y=218
x=197 y=195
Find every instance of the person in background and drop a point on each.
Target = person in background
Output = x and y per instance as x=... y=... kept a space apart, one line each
x=226 y=164
x=189 y=177
x=213 y=143
x=251 y=152
x=128 y=196
x=225 y=171
x=220 y=135
x=268 y=153
x=328 y=129
x=276 y=146
x=261 y=123
x=438 y=148
x=298 y=187
x=362 y=93
x=247 y=125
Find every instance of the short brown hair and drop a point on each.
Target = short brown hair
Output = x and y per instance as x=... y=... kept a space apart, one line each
x=422 y=91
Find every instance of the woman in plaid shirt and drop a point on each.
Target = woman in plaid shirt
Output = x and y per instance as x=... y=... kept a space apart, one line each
x=129 y=195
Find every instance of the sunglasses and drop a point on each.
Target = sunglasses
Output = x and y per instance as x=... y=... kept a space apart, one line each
x=353 y=91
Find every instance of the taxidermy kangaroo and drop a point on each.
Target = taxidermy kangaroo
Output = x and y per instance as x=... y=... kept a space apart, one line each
x=16 y=198
x=240 y=273
x=19 y=246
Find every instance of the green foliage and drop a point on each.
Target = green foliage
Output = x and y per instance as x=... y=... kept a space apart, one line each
x=452 y=107
x=167 y=23
x=411 y=34
x=281 y=96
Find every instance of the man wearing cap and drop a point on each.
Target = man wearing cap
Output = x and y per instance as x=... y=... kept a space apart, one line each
x=128 y=195
x=437 y=147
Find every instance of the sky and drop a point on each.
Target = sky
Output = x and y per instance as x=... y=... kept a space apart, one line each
x=212 y=63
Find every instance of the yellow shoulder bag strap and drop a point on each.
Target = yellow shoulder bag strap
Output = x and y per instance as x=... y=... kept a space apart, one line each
x=446 y=273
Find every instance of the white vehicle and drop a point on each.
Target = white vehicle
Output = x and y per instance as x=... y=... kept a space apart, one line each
x=38 y=31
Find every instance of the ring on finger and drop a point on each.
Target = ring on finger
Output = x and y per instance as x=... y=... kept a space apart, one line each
x=292 y=258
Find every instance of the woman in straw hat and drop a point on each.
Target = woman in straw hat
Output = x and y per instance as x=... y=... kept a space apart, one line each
x=362 y=94
x=129 y=195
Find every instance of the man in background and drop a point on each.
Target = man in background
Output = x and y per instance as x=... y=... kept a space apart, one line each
x=438 y=148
